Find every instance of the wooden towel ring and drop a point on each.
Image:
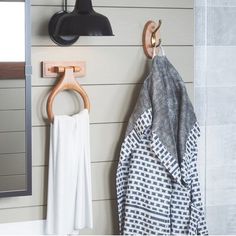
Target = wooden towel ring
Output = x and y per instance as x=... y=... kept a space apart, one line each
x=66 y=82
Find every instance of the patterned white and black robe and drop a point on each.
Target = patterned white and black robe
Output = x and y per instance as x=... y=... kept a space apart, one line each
x=157 y=182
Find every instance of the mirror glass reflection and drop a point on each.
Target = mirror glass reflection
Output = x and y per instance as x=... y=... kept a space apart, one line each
x=15 y=171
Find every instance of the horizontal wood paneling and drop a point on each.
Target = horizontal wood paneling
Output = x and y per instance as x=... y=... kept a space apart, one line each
x=39 y=192
x=103 y=101
x=40 y=145
x=122 y=61
x=104 y=216
x=12 y=183
x=12 y=164
x=127 y=30
x=105 y=141
x=13 y=142
x=5 y=83
x=103 y=177
x=12 y=98
x=103 y=185
x=13 y=120
x=125 y=3
x=104 y=180
x=109 y=135
x=22 y=214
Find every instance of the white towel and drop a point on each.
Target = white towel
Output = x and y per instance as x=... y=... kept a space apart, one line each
x=69 y=187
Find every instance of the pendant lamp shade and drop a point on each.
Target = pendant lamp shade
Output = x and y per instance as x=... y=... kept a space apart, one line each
x=65 y=28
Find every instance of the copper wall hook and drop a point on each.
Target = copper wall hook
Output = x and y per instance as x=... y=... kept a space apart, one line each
x=151 y=35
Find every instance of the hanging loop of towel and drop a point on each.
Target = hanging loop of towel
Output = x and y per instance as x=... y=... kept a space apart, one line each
x=160 y=52
x=66 y=82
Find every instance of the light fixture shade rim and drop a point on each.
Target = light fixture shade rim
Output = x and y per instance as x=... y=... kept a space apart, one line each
x=66 y=27
x=93 y=24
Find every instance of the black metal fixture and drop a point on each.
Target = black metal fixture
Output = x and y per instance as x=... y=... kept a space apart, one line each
x=66 y=27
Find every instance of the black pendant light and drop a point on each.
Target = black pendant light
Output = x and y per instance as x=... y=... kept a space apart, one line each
x=66 y=27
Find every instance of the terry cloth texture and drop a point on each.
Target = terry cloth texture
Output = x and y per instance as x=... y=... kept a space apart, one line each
x=158 y=190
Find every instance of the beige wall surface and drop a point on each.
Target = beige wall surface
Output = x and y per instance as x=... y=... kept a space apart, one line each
x=116 y=68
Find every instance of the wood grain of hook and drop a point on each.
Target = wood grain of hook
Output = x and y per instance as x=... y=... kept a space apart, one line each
x=66 y=81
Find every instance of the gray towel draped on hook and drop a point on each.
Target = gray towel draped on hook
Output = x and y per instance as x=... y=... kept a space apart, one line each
x=158 y=190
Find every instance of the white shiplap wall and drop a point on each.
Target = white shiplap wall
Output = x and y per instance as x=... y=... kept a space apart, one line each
x=116 y=67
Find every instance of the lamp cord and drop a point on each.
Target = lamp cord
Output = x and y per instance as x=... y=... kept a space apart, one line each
x=65 y=5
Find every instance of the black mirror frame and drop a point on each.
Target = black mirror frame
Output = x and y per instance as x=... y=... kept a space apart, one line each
x=28 y=119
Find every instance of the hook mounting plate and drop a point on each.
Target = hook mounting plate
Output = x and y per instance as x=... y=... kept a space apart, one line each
x=49 y=68
x=148 y=30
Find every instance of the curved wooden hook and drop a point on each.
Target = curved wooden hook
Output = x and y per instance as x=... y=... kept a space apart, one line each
x=66 y=82
x=151 y=34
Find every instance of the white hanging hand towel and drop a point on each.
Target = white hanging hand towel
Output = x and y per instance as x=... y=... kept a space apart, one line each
x=69 y=186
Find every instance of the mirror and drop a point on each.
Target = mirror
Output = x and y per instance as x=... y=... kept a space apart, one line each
x=15 y=99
